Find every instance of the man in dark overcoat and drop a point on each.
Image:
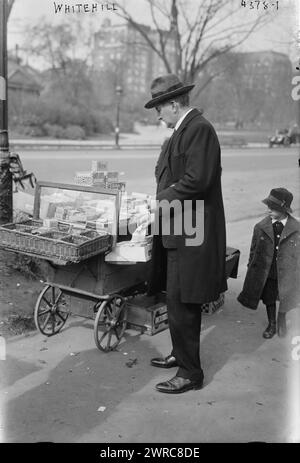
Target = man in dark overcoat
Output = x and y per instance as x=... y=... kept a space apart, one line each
x=188 y=171
x=274 y=263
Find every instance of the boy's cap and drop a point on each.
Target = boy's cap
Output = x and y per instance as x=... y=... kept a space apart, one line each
x=279 y=199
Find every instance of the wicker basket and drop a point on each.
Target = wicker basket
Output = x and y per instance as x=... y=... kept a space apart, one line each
x=53 y=245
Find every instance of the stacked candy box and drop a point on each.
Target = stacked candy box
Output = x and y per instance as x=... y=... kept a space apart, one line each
x=99 y=175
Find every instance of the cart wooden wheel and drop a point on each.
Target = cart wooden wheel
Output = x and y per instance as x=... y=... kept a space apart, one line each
x=110 y=323
x=50 y=313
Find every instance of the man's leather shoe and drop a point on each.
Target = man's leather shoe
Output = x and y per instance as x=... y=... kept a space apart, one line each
x=281 y=325
x=168 y=362
x=178 y=384
x=270 y=331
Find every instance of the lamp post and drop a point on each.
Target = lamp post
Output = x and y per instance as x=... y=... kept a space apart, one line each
x=5 y=174
x=119 y=92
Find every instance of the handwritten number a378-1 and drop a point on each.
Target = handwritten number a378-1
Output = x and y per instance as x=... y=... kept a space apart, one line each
x=259 y=4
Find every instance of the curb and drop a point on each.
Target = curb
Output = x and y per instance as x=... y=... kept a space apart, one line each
x=52 y=145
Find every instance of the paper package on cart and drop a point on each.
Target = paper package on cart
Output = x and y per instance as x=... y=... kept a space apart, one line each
x=129 y=251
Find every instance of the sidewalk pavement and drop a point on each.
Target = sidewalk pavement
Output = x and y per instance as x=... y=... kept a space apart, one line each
x=63 y=389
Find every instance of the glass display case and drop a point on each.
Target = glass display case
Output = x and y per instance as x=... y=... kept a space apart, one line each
x=70 y=223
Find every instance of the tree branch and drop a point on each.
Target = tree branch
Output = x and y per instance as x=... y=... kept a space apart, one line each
x=149 y=41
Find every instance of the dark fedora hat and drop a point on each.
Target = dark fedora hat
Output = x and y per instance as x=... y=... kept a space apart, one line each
x=279 y=199
x=164 y=88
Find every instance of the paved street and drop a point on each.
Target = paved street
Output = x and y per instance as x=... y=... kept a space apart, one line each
x=248 y=173
x=52 y=388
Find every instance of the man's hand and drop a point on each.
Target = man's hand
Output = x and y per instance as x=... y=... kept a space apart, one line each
x=144 y=220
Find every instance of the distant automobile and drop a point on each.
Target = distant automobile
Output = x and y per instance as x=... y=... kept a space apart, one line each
x=284 y=137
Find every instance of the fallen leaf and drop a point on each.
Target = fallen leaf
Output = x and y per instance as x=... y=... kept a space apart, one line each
x=131 y=362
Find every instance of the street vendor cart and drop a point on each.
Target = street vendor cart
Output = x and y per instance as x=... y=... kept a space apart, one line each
x=75 y=229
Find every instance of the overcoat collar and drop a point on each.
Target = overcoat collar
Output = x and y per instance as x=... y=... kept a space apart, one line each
x=266 y=226
x=186 y=121
x=165 y=153
x=291 y=226
x=190 y=116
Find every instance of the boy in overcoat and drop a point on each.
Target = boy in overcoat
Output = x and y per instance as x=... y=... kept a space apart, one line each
x=188 y=169
x=274 y=263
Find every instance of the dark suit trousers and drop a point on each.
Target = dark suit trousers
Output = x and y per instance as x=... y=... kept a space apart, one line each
x=184 y=324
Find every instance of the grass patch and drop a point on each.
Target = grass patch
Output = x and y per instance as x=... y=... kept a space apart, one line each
x=16 y=324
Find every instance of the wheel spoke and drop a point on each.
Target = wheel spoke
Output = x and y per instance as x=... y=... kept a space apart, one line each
x=63 y=311
x=47 y=302
x=102 y=323
x=44 y=312
x=103 y=336
x=109 y=311
x=114 y=307
x=53 y=294
x=109 y=338
x=119 y=311
x=117 y=334
x=61 y=317
x=46 y=322
x=58 y=297
x=53 y=323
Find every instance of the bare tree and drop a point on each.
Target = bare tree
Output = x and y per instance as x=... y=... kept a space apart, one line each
x=58 y=45
x=199 y=33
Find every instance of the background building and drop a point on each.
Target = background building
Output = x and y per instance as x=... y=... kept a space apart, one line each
x=124 y=57
x=252 y=91
x=23 y=80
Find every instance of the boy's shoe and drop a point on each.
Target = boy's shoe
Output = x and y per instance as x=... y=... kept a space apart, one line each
x=270 y=331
